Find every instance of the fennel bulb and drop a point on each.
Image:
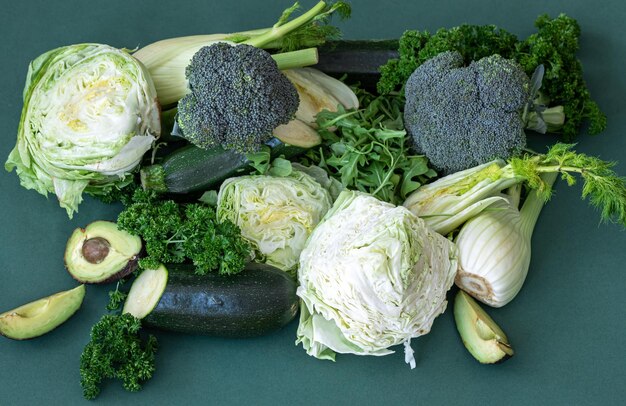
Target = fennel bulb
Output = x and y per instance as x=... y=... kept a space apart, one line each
x=495 y=247
x=90 y=113
x=448 y=202
x=167 y=59
x=452 y=200
x=372 y=275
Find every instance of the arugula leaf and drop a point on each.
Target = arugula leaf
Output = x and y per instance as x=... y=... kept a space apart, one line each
x=367 y=149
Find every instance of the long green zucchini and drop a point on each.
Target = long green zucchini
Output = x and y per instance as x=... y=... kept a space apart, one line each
x=256 y=301
x=358 y=60
x=192 y=169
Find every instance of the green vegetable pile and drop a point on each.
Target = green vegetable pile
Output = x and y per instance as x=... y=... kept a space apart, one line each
x=347 y=202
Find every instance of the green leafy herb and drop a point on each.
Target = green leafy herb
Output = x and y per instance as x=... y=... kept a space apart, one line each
x=177 y=233
x=601 y=185
x=367 y=149
x=555 y=46
x=116 y=351
x=116 y=297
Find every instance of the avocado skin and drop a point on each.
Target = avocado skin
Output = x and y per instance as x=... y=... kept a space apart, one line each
x=66 y=303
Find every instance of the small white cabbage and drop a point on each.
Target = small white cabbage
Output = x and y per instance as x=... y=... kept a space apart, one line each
x=90 y=113
x=276 y=214
x=372 y=276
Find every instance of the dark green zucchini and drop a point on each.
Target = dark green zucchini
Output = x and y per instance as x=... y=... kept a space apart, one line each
x=359 y=61
x=193 y=169
x=256 y=301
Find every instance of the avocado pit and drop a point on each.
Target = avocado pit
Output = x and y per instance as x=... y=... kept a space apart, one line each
x=95 y=250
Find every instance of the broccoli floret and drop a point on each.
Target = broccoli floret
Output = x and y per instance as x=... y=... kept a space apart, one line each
x=462 y=116
x=238 y=96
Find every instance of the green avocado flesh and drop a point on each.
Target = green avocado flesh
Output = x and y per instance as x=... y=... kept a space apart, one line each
x=101 y=253
x=480 y=334
x=41 y=316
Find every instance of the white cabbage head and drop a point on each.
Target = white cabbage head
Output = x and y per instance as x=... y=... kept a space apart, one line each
x=372 y=276
x=275 y=213
x=90 y=113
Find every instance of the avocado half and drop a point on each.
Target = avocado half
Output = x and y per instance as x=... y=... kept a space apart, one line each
x=101 y=253
x=41 y=316
x=482 y=337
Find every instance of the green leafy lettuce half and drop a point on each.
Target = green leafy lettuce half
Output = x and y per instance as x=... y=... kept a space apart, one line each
x=276 y=214
x=90 y=113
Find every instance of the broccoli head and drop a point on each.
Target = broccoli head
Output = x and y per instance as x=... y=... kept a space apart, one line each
x=463 y=116
x=238 y=96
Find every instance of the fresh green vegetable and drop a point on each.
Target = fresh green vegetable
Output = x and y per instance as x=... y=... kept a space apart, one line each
x=116 y=351
x=359 y=61
x=101 y=253
x=116 y=297
x=416 y=47
x=367 y=149
x=176 y=233
x=554 y=45
x=254 y=302
x=192 y=169
x=372 y=276
x=89 y=115
x=495 y=248
x=450 y=201
x=276 y=214
x=146 y=291
x=482 y=337
x=460 y=117
x=41 y=316
x=237 y=97
x=167 y=60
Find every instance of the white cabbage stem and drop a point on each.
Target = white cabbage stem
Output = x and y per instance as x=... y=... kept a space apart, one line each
x=495 y=249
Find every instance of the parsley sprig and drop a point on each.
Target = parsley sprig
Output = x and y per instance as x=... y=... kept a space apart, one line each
x=176 y=232
x=116 y=351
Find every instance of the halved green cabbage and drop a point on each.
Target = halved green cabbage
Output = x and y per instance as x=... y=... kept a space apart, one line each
x=90 y=113
x=372 y=276
x=276 y=214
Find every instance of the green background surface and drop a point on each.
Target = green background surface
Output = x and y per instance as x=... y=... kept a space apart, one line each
x=568 y=324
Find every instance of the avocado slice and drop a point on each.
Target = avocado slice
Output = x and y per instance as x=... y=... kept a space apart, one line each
x=482 y=337
x=101 y=253
x=41 y=316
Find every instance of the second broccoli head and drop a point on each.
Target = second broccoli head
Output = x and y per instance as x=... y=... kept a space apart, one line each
x=463 y=116
x=238 y=97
